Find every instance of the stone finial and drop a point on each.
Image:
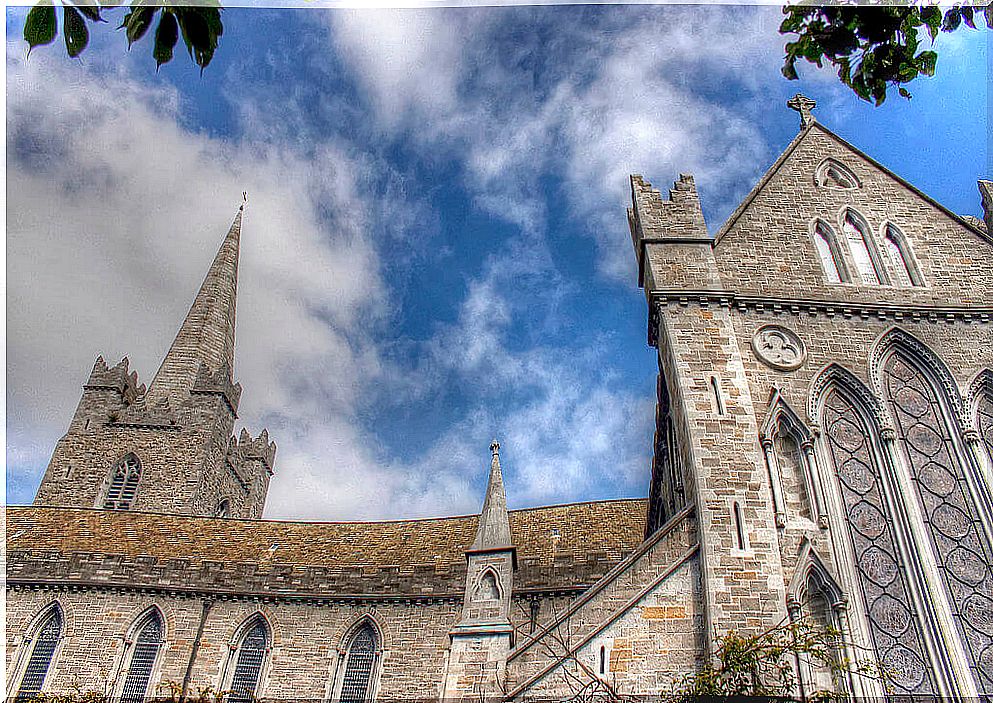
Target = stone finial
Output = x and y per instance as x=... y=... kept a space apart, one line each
x=986 y=193
x=494 y=448
x=804 y=105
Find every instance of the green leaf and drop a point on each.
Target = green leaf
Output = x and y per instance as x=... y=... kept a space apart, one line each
x=197 y=34
x=166 y=36
x=90 y=9
x=137 y=22
x=926 y=61
x=967 y=16
x=39 y=27
x=77 y=36
x=953 y=18
x=904 y=93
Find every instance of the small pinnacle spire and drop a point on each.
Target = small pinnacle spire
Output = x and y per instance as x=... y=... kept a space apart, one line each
x=494 y=523
x=206 y=336
x=804 y=105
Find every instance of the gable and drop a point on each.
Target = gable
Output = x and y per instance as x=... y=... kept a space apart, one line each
x=767 y=246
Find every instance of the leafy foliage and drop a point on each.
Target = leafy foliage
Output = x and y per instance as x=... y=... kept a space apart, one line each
x=200 y=26
x=763 y=665
x=874 y=47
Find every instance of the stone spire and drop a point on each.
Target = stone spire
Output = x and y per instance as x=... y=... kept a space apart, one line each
x=494 y=524
x=206 y=336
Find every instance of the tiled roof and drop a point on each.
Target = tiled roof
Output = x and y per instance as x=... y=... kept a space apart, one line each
x=561 y=546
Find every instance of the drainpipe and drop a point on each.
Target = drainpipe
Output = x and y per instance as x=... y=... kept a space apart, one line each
x=206 y=606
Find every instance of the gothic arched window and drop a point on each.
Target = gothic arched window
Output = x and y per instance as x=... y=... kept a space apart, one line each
x=863 y=253
x=894 y=625
x=487 y=588
x=250 y=654
x=147 y=643
x=950 y=512
x=223 y=509
x=360 y=662
x=984 y=422
x=43 y=643
x=904 y=268
x=827 y=250
x=123 y=484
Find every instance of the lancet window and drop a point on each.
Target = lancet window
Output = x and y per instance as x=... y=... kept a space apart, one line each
x=43 y=643
x=861 y=248
x=123 y=484
x=902 y=259
x=827 y=250
x=144 y=654
x=251 y=655
x=895 y=627
x=360 y=662
x=950 y=512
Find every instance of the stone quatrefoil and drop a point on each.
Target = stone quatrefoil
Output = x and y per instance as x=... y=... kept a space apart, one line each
x=779 y=347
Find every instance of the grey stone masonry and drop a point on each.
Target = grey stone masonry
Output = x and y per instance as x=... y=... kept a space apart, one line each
x=175 y=438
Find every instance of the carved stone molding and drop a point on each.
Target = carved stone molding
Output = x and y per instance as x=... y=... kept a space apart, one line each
x=779 y=347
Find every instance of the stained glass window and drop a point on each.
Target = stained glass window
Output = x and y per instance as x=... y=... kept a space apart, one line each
x=893 y=622
x=357 y=682
x=43 y=649
x=143 y=656
x=123 y=484
x=904 y=270
x=964 y=558
x=248 y=669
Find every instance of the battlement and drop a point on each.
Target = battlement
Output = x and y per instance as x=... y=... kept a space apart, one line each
x=679 y=217
x=218 y=383
x=245 y=447
x=158 y=413
x=118 y=378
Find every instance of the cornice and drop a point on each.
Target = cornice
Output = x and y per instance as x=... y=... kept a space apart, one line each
x=659 y=299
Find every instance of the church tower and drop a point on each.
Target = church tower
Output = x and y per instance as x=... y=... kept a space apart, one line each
x=169 y=449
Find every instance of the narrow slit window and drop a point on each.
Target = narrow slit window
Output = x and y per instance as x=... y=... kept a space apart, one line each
x=861 y=248
x=904 y=271
x=824 y=240
x=46 y=639
x=715 y=387
x=739 y=527
x=146 y=651
x=123 y=484
x=603 y=659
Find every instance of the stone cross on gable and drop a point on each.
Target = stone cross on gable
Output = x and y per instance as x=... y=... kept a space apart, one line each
x=803 y=105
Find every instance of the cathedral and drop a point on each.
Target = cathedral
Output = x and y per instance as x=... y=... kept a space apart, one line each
x=823 y=449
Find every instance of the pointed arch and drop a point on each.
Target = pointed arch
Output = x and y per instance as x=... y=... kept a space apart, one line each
x=829 y=252
x=811 y=575
x=360 y=658
x=41 y=644
x=865 y=256
x=835 y=376
x=488 y=585
x=947 y=486
x=903 y=264
x=831 y=173
x=980 y=402
x=250 y=650
x=786 y=439
x=122 y=484
x=881 y=566
x=144 y=642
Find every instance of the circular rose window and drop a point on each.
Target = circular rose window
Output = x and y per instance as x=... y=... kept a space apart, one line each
x=779 y=347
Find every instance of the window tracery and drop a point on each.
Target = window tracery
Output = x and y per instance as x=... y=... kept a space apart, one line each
x=46 y=639
x=146 y=650
x=360 y=660
x=950 y=513
x=985 y=422
x=834 y=174
x=123 y=484
x=252 y=651
x=894 y=625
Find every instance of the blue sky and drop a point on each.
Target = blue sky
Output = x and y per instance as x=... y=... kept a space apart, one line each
x=435 y=250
